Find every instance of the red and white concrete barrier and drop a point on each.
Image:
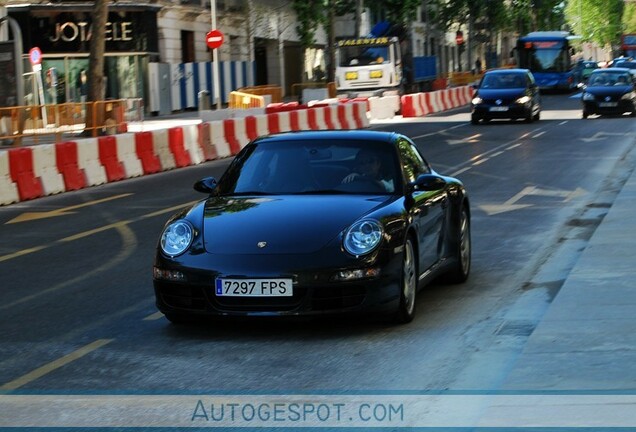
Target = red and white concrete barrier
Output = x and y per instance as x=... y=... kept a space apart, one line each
x=421 y=104
x=32 y=172
x=8 y=188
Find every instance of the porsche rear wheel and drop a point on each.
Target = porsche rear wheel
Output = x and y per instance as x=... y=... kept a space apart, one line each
x=460 y=271
x=406 y=309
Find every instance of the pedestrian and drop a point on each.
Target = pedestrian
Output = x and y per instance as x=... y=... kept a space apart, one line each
x=82 y=85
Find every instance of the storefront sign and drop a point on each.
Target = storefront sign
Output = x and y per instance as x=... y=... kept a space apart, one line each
x=71 y=31
x=57 y=32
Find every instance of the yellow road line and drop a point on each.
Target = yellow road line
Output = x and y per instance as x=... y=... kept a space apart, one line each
x=56 y=364
x=93 y=231
x=21 y=253
x=99 y=201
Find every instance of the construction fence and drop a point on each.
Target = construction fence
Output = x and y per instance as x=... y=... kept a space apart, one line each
x=32 y=124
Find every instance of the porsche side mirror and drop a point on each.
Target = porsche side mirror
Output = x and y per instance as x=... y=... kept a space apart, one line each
x=205 y=185
x=427 y=182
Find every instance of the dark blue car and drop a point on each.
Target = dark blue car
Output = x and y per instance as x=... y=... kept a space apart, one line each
x=313 y=223
x=609 y=91
x=506 y=94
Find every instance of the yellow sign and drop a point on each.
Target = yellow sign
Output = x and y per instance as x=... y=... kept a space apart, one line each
x=351 y=75
x=364 y=41
x=375 y=74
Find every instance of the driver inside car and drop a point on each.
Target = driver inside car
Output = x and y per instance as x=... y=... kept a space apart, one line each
x=368 y=167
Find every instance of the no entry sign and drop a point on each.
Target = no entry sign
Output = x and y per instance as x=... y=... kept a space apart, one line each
x=214 y=39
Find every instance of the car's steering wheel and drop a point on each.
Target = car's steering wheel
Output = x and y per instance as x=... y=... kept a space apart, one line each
x=367 y=184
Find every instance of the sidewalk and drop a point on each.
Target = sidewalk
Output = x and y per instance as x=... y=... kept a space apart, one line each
x=587 y=338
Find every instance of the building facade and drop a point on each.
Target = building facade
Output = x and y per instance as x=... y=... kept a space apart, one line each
x=260 y=36
x=261 y=46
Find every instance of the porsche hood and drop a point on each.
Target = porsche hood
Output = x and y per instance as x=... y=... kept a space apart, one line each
x=280 y=224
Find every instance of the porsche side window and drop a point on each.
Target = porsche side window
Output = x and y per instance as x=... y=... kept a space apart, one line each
x=412 y=163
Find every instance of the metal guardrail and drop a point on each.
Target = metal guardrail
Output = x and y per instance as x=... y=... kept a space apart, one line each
x=240 y=100
x=42 y=122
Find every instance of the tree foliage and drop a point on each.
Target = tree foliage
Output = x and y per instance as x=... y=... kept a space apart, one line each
x=629 y=18
x=597 y=21
x=310 y=14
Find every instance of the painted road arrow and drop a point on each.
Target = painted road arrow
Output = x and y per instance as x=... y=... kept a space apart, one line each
x=511 y=204
x=599 y=136
x=470 y=139
x=29 y=216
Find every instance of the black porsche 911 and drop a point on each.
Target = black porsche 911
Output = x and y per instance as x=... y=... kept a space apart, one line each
x=313 y=223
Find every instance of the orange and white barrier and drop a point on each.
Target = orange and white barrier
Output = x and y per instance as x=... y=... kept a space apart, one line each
x=88 y=159
x=421 y=104
x=8 y=188
x=192 y=145
x=46 y=169
x=127 y=154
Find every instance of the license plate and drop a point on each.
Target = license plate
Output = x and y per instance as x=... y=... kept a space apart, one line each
x=254 y=287
x=499 y=109
x=608 y=104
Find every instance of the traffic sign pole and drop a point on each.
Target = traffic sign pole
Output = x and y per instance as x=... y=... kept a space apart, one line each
x=215 y=58
x=35 y=57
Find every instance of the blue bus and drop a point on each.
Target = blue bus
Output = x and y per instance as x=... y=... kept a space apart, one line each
x=548 y=55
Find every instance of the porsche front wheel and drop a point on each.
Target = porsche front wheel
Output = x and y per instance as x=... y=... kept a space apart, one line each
x=406 y=308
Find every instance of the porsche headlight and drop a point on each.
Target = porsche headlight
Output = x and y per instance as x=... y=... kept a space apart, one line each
x=523 y=100
x=177 y=238
x=588 y=97
x=477 y=100
x=363 y=237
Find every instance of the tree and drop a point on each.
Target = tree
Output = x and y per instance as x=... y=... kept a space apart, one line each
x=96 y=63
x=629 y=18
x=597 y=21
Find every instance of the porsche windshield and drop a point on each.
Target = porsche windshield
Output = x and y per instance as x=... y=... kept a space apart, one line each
x=306 y=167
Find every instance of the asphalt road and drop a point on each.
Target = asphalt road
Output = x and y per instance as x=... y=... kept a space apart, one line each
x=77 y=307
